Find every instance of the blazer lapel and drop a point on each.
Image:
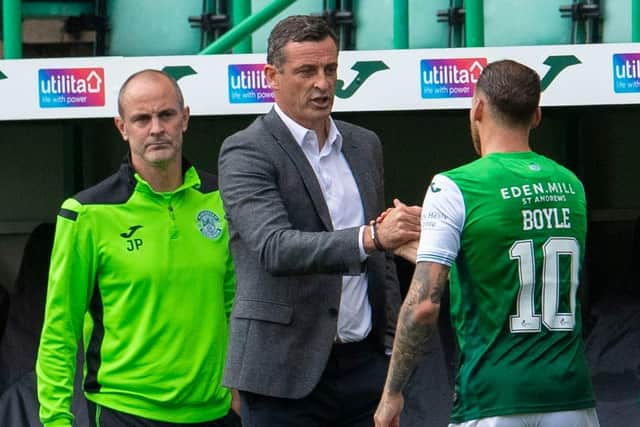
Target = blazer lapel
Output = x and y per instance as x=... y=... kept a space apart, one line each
x=284 y=138
x=361 y=173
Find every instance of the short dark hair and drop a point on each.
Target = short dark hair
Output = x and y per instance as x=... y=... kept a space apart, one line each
x=296 y=28
x=512 y=90
x=173 y=81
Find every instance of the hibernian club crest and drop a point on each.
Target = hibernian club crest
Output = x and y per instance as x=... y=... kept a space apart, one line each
x=209 y=224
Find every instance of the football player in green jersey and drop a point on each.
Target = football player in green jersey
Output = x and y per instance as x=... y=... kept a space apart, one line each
x=509 y=231
x=141 y=266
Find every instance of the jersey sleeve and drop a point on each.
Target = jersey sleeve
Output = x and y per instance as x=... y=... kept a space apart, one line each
x=69 y=287
x=443 y=216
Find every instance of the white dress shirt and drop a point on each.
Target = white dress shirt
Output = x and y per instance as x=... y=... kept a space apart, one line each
x=345 y=207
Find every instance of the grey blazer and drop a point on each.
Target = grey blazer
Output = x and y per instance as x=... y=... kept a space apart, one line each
x=289 y=261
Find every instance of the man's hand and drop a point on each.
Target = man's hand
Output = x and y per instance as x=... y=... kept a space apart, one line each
x=408 y=251
x=383 y=215
x=389 y=409
x=398 y=225
x=235 y=401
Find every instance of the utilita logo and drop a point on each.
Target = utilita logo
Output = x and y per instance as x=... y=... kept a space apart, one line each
x=626 y=72
x=71 y=87
x=248 y=84
x=450 y=78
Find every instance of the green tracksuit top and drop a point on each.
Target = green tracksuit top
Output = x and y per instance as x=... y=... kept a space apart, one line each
x=513 y=228
x=148 y=279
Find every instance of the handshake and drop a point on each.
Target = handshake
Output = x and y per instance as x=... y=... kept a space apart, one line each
x=397 y=229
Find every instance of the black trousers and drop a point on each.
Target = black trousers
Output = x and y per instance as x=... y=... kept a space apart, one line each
x=347 y=394
x=100 y=416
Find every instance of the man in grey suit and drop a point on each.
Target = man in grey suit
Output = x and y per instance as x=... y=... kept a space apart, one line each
x=317 y=294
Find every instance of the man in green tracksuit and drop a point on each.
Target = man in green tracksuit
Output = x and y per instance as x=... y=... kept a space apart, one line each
x=141 y=270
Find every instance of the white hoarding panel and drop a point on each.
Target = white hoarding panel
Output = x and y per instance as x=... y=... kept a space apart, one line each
x=384 y=80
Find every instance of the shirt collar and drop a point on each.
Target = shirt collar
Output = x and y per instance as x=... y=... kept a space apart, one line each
x=300 y=132
x=190 y=179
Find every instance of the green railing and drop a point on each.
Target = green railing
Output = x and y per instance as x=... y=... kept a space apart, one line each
x=12 y=28
x=635 y=21
x=400 y=24
x=474 y=23
x=248 y=25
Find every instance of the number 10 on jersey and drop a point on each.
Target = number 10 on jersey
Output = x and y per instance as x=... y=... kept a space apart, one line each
x=526 y=320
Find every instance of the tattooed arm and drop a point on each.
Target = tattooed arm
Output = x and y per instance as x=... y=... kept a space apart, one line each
x=416 y=322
